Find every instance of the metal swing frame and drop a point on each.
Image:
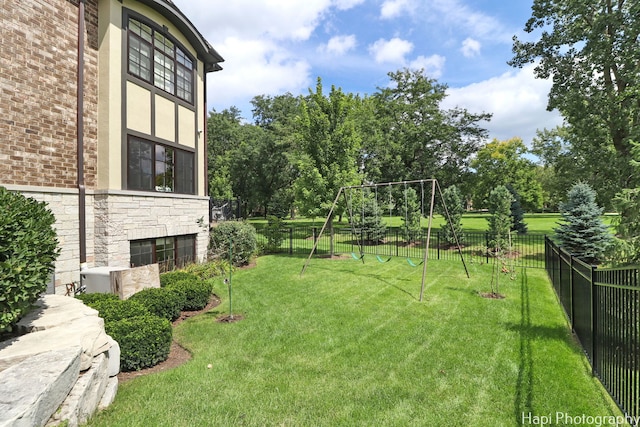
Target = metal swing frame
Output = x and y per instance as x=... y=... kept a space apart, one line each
x=434 y=186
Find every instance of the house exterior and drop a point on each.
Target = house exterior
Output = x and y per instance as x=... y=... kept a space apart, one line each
x=108 y=128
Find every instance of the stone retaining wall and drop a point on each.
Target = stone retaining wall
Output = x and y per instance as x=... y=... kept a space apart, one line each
x=61 y=370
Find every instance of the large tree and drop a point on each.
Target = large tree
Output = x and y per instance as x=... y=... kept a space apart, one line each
x=417 y=138
x=329 y=147
x=504 y=163
x=590 y=50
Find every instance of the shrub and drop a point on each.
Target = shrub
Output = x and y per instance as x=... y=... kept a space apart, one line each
x=28 y=250
x=196 y=293
x=92 y=299
x=208 y=270
x=114 y=310
x=163 y=302
x=144 y=340
x=274 y=233
x=236 y=237
x=170 y=277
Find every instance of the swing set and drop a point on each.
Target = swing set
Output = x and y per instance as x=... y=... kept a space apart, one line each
x=347 y=193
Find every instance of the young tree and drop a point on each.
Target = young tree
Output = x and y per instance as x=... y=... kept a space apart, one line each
x=374 y=229
x=517 y=213
x=455 y=208
x=582 y=231
x=500 y=221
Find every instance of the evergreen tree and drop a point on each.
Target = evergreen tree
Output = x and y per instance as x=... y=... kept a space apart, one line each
x=582 y=231
x=500 y=221
x=453 y=224
x=517 y=213
x=371 y=221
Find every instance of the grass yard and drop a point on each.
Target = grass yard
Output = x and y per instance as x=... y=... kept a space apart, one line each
x=350 y=344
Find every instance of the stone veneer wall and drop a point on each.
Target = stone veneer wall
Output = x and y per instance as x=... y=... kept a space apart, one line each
x=122 y=217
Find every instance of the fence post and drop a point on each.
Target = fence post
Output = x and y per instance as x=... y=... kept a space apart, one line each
x=572 y=270
x=594 y=323
x=397 y=249
x=438 y=243
x=486 y=241
x=290 y=240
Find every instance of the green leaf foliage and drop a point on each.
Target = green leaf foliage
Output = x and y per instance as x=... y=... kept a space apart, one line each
x=145 y=340
x=582 y=231
x=28 y=250
x=235 y=238
x=162 y=302
x=196 y=293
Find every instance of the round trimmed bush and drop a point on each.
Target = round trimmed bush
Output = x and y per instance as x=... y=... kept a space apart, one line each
x=92 y=299
x=144 y=340
x=163 y=302
x=196 y=293
x=113 y=310
x=209 y=270
x=238 y=236
x=28 y=250
x=175 y=276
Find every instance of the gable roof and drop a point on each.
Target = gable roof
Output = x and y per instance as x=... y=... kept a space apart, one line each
x=206 y=52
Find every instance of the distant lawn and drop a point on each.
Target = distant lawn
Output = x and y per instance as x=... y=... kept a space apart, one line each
x=539 y=223
x=350 y=344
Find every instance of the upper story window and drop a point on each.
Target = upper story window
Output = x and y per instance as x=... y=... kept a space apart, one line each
x=156 y=59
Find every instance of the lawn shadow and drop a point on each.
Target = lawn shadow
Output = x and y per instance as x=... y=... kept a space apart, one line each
x=524 y=385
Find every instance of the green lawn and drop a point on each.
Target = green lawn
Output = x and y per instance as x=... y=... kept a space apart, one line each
x=350 y=344
x=541 y=223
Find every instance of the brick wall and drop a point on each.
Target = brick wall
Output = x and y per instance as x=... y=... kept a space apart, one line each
x=38 y=74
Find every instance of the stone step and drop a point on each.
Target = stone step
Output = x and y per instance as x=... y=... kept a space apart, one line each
x=33 y=389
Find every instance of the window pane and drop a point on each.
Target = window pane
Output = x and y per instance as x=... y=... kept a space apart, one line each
x=140 y=165
x=185 y=172
x=165 y=253
x=164 y=169
x=186 y=250
x=141 y=253
x=164 y=72
x=139 y=58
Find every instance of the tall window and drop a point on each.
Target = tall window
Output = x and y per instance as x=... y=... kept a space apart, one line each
x=156 y=167
x=170 y=252
x=156 y=59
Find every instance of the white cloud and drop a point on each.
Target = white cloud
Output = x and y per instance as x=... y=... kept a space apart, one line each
x=393 y=8
x=517 y=100
x=470 y=47
x=458 y=15
x=347 y=4
x=432 y=65
x=339 y=45
x=258 y=67
x=390 y=51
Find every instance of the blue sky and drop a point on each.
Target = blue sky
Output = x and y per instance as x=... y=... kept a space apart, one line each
x=276 y=46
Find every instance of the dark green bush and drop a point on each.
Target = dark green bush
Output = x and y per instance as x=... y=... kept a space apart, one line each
x=144 y=340
x=92 y=299
x=163 y=302
x=114 y=310
x=236 y=237
x=196 y=293
x=28 y=250
x=175 y=276
x=274 y=233
x=209 y=270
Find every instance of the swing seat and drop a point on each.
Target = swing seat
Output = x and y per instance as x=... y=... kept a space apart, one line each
x=357 y=257
x=413 y=264
x=381 y=260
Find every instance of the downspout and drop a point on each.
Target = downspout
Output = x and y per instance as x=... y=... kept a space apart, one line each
x=80 y=142
x=205 y=127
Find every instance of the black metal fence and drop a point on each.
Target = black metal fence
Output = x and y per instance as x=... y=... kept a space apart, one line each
x=603 y=307
x=527 y=250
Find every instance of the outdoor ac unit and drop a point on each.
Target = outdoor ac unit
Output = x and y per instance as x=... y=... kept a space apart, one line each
x=96 y=280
